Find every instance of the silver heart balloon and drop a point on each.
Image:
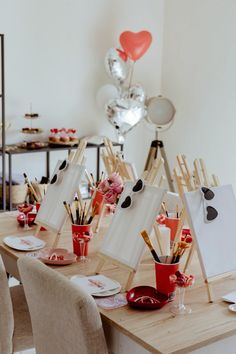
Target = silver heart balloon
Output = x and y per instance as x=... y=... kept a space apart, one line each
x=116 y=67
x=124 y=114
x=135 y=92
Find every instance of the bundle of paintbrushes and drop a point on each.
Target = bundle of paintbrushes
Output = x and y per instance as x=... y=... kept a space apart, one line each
x=179 y=250
x=177 y=253
x=168 y=214
x=31 y=188
x=82 y=214
x=91 y=181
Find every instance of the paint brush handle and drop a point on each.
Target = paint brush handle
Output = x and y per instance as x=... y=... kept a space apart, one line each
x=148 y=242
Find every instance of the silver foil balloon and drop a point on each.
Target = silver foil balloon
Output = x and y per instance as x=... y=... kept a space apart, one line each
x=135 y=92
x=116 y=67
x=124 y=114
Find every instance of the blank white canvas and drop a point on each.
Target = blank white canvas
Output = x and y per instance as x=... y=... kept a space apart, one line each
x=52 y=212
x=123 y=241
x=216 y=240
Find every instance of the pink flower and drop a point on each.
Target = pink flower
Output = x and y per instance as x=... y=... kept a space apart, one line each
x=116 y=187
x=115 y=178
x=104 y=186
x=111 y=187
x=110 y=197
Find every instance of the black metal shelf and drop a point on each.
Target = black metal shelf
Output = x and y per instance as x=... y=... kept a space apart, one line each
x=2 y=97
x=12 y=150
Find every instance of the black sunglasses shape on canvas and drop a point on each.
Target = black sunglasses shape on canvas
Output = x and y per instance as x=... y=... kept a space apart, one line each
x=61 y=168
x=138 y=187
x=212 y=213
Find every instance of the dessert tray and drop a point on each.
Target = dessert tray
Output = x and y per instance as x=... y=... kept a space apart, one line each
x=32 y=145
x=62 y=143
x=31 y=130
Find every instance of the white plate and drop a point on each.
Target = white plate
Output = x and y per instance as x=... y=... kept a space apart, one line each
x=24 y=243
x=230 y=297
x=232 y=307
x=109 y=292
x=102 y=293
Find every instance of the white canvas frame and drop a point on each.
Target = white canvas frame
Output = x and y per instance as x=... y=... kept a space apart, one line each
x=215 y=240
x=123 y=242
x=52 y=213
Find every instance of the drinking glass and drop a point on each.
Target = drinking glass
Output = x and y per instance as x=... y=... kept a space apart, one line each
x=179 y=307
x=25 y=209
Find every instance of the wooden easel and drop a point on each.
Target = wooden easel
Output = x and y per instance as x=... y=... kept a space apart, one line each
x=189 y=181
x=153 y=155
x=76 y=157
x=114 y=162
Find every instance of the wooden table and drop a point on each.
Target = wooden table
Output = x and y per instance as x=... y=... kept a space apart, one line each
x=206 y=330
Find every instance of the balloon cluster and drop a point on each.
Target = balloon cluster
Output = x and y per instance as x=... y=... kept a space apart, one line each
x=125 y=104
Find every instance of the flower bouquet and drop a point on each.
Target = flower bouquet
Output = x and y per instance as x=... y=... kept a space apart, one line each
x=111 y=188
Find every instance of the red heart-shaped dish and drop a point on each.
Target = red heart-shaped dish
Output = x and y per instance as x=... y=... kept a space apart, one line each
x=146 y=297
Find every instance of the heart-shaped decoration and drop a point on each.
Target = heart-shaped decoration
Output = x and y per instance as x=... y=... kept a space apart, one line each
x=134 y=44
x=124 y=114
x=212 y=213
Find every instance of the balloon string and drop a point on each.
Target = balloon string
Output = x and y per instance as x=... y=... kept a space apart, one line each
x=131 y=74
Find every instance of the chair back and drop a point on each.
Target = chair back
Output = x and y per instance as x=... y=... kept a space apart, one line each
x=6 y=313
x=65 y=319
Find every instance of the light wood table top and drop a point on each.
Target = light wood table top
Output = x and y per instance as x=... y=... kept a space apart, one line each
x=157 y=331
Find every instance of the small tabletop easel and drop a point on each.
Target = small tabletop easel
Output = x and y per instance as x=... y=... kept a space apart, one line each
x=114 y=162
x=122 y=245
x=52 y=214
x=188 y=181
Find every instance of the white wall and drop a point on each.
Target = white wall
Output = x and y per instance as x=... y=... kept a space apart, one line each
x=199 y=59
x=55 y=59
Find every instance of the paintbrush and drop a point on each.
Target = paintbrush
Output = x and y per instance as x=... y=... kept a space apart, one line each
x=164 y=208
x=90 y=182
x=77 y=209
x=93 y=214
x=66 y=207
x=30 y=187
x=177 y=211
x=148 y=242
x=83 y=214
x=71 y=215
x=94 y=184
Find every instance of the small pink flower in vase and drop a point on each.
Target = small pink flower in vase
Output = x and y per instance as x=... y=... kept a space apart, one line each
x=111 y=187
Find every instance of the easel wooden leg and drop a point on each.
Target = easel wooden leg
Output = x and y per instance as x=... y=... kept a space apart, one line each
x=209 y=291
x=55 y=243
x=100 y=265
x=100 y=218
x=37 y=230
x=189 y=258
x=130 y=280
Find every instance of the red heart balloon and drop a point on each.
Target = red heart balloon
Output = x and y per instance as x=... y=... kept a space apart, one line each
x=134 y=44
x=122 y=54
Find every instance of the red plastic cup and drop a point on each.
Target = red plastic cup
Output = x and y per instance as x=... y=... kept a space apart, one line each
x=173 y=224
x=81 y=232
x=163 y=283
x=98 y=199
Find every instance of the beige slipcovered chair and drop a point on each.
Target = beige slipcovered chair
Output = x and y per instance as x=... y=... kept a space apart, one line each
x=65 y=319
x=15 y=325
